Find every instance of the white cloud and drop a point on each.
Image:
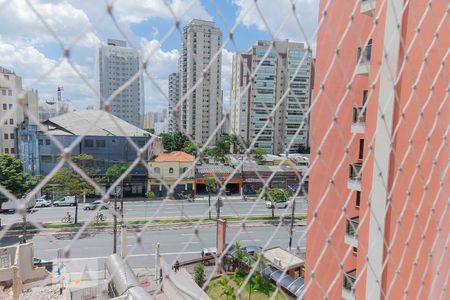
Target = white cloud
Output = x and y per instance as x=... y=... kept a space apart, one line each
x=21 y=25
x=159 y=66
x=31 y=65
x=280 y=17
x=137 y=11
x=227 y=59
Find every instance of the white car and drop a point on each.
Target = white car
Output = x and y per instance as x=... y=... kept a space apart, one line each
x=210 y=251
x=283 y=204
x=65 y=201
x=41 y=202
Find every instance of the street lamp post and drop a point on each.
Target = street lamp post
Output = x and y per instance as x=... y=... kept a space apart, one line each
x=115 y=224
x=292 y=224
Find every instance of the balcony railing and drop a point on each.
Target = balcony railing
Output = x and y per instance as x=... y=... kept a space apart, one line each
x=367 y=7
x=352 y=226
x=363 y=58
x=349 y=280
x=355 y=172
x=359 y=119
x=359 y=115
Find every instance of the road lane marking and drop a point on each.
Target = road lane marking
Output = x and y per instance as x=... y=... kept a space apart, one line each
x=190 y=243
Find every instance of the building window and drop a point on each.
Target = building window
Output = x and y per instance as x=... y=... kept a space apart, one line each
x=47 y=142
x=100 y=143
x=13 y=151
x=361 y=149
x=171 y=170
x=5 y=107
x=11 y=121
x=6 y=77
x=4 y=92
x=157 y=170
x=10 y=106
x=6 y=150
x=88 y=143
x=11 y=136
x=5 y=136
x=41 y=142
x=365 y=95
x=358 y=198
x=9 y=92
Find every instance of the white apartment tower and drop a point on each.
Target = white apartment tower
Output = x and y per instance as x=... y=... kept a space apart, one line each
x=11 y=113
x=274 y=69
x=174 y=98
x=200 y=58
x=116 y=64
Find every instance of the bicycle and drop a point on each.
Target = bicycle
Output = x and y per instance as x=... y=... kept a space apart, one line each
x=67 y=219
x=100 y=218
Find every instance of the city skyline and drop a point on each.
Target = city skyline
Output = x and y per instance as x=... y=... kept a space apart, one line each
x=145 y=26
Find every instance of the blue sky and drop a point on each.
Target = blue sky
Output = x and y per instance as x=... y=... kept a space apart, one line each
x=33 y=52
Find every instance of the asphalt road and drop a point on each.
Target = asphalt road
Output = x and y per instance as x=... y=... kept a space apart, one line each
x=89 y=250
x=147 y=209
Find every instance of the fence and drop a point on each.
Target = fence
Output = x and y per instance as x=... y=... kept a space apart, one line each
x=376 y=128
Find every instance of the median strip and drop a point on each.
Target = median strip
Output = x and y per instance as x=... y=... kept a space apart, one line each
x=107 y=224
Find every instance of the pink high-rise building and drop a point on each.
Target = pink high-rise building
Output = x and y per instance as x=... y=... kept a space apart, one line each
x=379 y=187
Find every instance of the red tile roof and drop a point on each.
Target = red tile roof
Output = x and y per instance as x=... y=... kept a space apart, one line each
x=175 y=156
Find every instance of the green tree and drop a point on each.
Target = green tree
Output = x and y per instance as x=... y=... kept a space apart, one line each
x=274 y=195
x=211 y=185
x=190 y=147
x=199 y=273
x=150 y=130
x=113 y=173
x=238 y=254
x=227 y=289
x=258 y=155
x=174 y=141
x=150 y=194
x=68 y=182
x=14 y=179
x=220 y=149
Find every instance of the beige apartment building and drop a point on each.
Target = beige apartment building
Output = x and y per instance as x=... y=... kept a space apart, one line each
x=12 y=114
x=166 y=168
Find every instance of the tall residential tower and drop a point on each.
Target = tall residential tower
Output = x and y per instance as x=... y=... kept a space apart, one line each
x=378 y=188
x=266 y=77
x=116 y=64
x=200 y=59
x=174 y=98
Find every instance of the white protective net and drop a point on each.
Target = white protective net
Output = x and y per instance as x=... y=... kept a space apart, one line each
x=367 y=209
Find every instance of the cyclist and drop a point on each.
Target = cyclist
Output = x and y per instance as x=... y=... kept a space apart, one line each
x=100 y=216
x=68 y=217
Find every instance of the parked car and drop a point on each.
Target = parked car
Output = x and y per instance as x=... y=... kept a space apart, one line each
x=65 y=201
x=38 y=262
x=95 y=204
x=283 y=204
x=210 y=251
x=41 y=202
x=11 y=205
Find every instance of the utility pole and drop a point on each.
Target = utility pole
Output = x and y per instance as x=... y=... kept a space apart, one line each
x=292 y=225
x=209 y=203
x=24 y=227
